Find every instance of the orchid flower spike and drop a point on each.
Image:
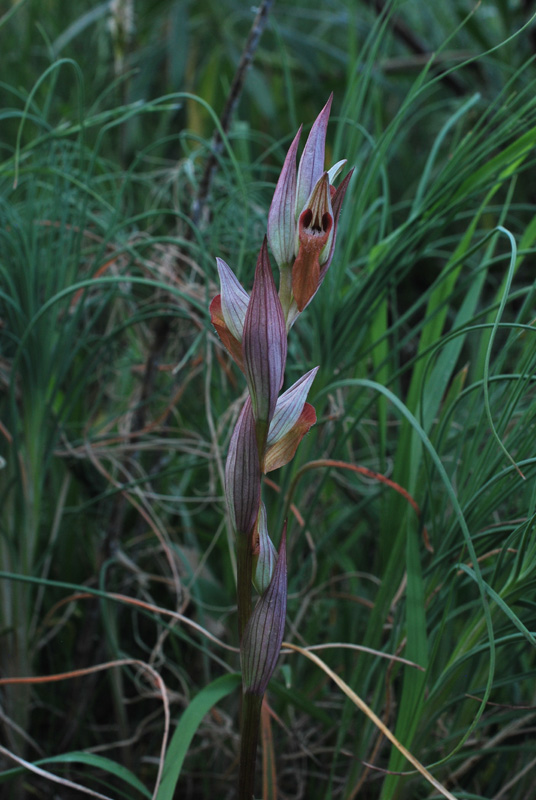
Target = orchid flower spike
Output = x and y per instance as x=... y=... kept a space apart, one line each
x=303 y=217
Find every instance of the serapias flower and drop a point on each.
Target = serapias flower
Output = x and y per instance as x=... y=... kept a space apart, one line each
x=303 y=217
x=292 y=419
x=253 y=331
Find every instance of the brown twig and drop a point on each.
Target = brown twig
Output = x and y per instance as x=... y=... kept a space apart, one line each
x=163 y=325
x=235 y=91
x=420 y=48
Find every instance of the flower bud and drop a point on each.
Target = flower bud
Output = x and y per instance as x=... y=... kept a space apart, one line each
x=264 y=553
x=263 y=635
x=242 y=473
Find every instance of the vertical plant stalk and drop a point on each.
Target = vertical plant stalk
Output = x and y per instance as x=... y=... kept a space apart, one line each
x=249 y=739
x=260 y=648
x=302 y=225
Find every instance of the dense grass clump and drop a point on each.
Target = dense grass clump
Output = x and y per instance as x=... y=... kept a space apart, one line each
x=411 y=504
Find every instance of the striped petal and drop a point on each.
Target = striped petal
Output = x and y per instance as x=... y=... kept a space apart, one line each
x=334 y=171
x=282 y=451
x=312 y=160
x=281 y=219
x=234 y=300
x=242 y=473
x=264 y=344
x=313 y=247
x=336 y=202
x=264 y=632
x=232 y=345
x=290 y=406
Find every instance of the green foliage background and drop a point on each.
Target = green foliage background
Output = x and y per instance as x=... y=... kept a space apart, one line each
x=117 y=400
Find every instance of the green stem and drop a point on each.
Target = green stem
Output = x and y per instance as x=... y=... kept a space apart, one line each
x=244 y=565
x=249 y=737
x=251 y=704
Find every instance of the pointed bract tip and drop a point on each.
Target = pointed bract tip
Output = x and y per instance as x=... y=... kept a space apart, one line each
x=264 y=341
x=263 y=635
x=281 y=213
x=242 y=473
x=312 y=161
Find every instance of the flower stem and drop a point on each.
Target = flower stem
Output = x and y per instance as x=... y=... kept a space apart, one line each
x=250 y=722
x=244 y=565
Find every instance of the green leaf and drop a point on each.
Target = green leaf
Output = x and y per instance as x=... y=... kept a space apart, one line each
x=412 y=698
x=507 y=162
x=187 y=727
x=92 y=760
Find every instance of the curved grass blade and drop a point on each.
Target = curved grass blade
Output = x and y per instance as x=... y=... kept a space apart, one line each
x=187 y=727
x=372 y=716
x=427 y=444
x=43 y=773
x=92 y=760
x=504 y=298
